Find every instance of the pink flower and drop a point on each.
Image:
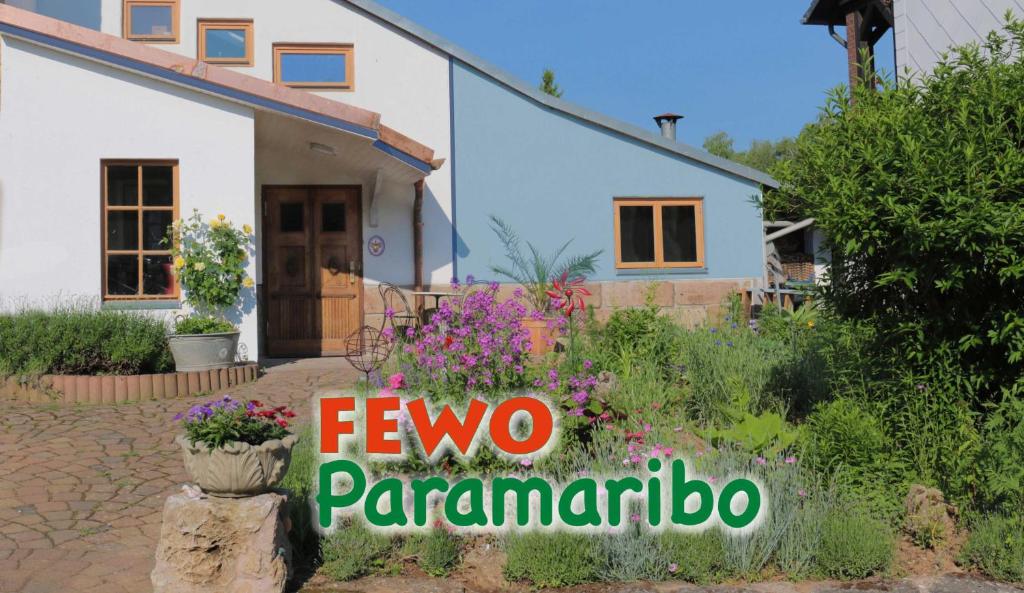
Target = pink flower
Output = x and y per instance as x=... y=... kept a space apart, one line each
x=712 y=480
x=667 y=451
x=801 y=493
x=790 y=460
x=396 y=381
x=526 y=462
x=635 y=517
x=647 y=427
x=673 y=567
x=760 y=461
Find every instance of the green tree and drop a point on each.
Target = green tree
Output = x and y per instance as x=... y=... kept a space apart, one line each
x=720 y=144
x=548 y=84
x=919 y=188
x=763 y=155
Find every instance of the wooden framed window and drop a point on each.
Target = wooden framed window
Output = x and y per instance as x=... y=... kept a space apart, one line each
x=659 y=233
x=315 y=65
x=225 y=41
x=152 y=21
x=140 y=201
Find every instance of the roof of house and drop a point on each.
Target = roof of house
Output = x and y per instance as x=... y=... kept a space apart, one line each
x=180 y=70
x=654 y=139
x=824 y=12
x=833 y=12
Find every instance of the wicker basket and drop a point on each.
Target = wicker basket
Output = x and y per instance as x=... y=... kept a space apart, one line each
x=798 y=267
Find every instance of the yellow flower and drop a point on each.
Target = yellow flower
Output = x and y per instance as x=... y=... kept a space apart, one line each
x=214 y=223
x=810 y=324
x=220 y=217
x=199 y=266
x=179 y=263
x=248 y=283
x=246 y=229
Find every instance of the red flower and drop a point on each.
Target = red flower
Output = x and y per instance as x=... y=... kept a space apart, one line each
x=448 y=341
x=256 y=403
x=282 y=422
x=289 y=414
x=568 y=294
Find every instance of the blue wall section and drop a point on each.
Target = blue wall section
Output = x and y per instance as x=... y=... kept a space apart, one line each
x=553 y=177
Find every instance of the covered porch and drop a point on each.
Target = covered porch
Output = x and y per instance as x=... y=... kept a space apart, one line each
x=338 y=213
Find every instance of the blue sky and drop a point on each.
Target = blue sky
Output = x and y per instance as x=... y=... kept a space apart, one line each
x=744 y=66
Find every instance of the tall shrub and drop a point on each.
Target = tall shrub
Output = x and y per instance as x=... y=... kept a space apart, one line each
x=918 y=187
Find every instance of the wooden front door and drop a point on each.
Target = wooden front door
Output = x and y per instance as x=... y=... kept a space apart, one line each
x=312 y=269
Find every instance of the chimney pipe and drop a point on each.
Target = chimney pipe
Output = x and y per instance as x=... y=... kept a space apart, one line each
x=667 y=123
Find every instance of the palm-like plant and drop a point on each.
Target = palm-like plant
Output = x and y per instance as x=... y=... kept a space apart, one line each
x=533 y=270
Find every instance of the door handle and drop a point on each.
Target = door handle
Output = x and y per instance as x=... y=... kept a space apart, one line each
x=353 y=270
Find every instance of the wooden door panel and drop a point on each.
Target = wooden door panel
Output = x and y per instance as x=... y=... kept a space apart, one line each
x=313 y=263
x=339 y=264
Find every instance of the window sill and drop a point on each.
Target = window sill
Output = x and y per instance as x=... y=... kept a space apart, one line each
x=661 y=271
x=155 y=305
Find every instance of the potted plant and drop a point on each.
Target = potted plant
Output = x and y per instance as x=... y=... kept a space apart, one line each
x=234 y=450
x=209 y=262
x=534 y=271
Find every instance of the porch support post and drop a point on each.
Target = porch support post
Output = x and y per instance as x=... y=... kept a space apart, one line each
x=417 y=243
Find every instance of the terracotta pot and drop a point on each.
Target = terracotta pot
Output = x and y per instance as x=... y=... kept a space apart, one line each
x=238 y=469
x=540 y=335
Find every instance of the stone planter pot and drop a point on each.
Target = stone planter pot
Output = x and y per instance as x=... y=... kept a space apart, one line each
x=238 y=469
x=200 y=352
x=540 y=335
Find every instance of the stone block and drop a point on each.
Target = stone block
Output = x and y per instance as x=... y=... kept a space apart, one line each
x=634 y=293
x=705 y=292
x=221 y=545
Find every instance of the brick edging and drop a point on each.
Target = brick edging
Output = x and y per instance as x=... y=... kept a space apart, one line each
x=111 y=389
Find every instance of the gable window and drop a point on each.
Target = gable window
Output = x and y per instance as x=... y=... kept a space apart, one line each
x=324 y=66
x=140 y=200
x=659 y=233
x=152 y=21
x=223 y=41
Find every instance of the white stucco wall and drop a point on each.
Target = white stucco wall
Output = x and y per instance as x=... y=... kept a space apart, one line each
x=396 y=75
x=926 y=28
x=59 y=117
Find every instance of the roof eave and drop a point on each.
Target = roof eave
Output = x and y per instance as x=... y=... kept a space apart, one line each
x=690 y=152
x=202 y=77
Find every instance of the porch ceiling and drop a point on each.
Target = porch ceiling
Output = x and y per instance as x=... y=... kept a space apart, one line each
x=308 y=146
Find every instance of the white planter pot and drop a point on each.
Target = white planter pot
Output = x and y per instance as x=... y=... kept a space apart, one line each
x=237 y=469
x=201 y=352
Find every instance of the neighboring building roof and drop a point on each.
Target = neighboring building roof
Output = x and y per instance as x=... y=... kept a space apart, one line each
x=833 y=12
x=655 y=139
x=183 y=71
x=824 y=12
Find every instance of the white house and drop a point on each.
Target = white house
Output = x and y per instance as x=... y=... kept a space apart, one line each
x=360 y=147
